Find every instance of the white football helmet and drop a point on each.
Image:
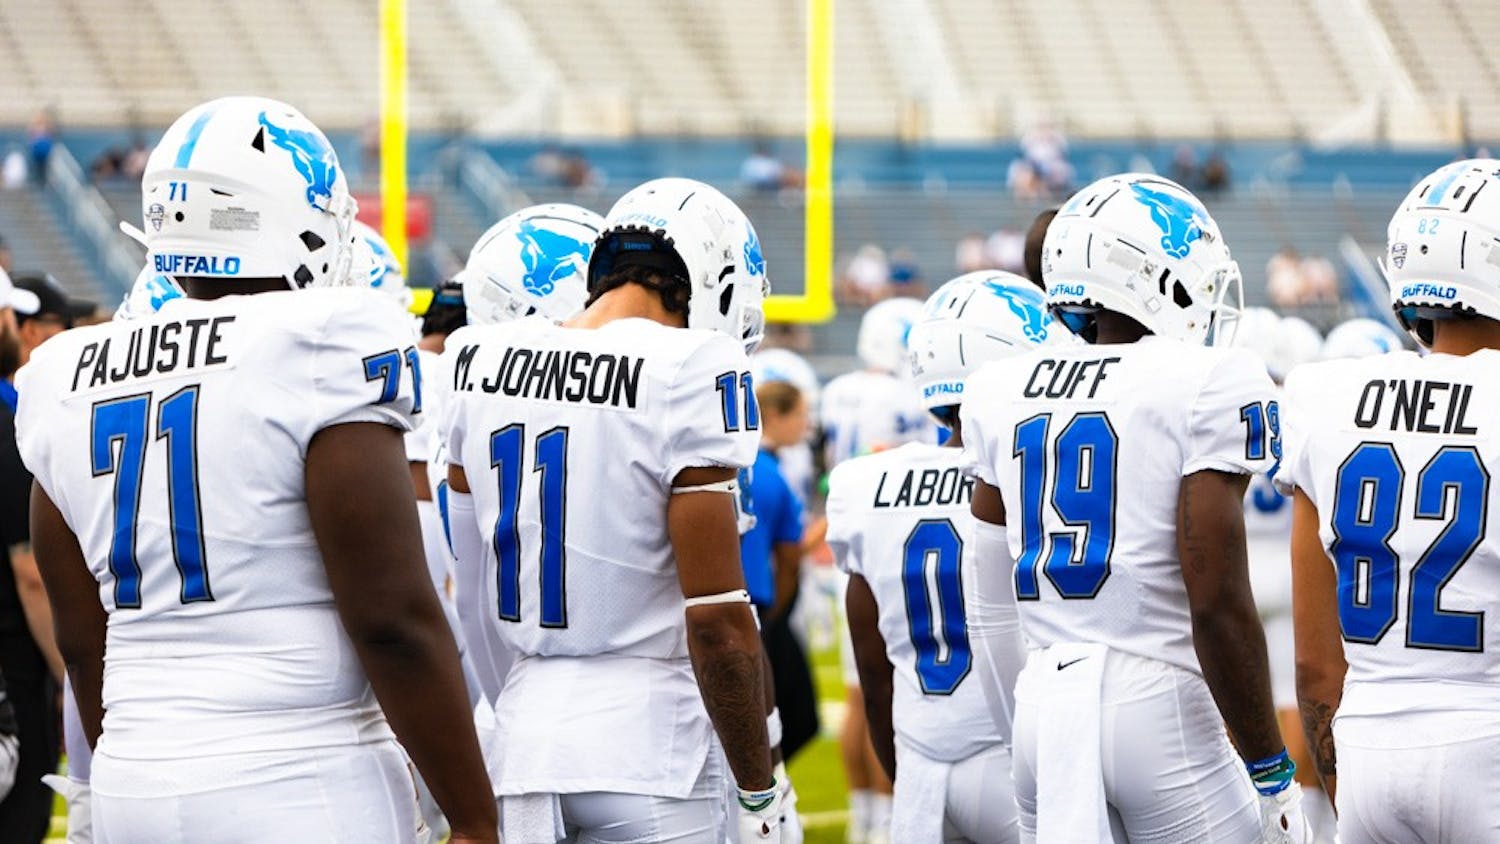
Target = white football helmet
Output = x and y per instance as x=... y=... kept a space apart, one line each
x=375 y=265
x=687 y=229
x=768 y=365
x=973 y=319
x=150 y=291
x=1443 y=247
x=534 y=261
x=1145 y=247
x=1282 y=342
x=1360 y=338
x=883 y=332
x=246 y=187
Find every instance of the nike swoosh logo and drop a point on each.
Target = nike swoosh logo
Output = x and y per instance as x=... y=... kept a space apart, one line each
x=1062 y=665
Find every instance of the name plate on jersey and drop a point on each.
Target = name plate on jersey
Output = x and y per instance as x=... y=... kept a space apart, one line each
x=155 y=352
x=563 y=376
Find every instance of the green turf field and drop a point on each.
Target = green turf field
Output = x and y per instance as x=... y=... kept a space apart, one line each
x=816 y=771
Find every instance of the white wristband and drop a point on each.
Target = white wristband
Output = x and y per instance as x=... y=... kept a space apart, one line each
x=773 y=727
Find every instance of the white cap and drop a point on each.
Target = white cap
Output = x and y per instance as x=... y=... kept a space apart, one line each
x=11 y=296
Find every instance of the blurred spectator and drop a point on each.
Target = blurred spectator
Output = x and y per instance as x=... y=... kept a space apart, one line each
x=1023 y=181
x=1215 y=174
x=1006 y=250
x=1033 y=248
x=40 y=136
x=1284 y=278
x=1046 y=148
x=56 y=311
x=577 y=172
x=28 y=654
x=547 y=165
x=1320 y=280
x=761 y=170
x=14 y=171
x=133 y=167
x=1292 y=280
x=969 y=255
x=369 y=150
x=1184 y=170
x=905 y=276
x=866 y=277
x=107 y=165
x=788 y=335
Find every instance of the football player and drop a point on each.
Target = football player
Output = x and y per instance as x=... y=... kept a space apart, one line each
x=862 y=412
x=874 y=408
x=1360 y=337
x=1392 y=459
x=899 y=524
x=533 y=262
x=598 y=458
x=1283 y=343
x=223 y=512
x=1119 y=469
x=376 y=265
x=771 y=365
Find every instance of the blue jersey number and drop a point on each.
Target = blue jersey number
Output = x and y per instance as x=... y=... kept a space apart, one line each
x=123 y=423
x=1453 y=486
x=386 y=368
x=1080 y=484
x=938 y=629
x=1262 y=431
x=551 y=463
x=736 y=391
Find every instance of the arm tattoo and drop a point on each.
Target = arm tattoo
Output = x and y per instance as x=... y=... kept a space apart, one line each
x=731 y=686
x=1317 y=723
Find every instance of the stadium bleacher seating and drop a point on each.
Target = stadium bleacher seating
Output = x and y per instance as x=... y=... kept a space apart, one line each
x=945 y=70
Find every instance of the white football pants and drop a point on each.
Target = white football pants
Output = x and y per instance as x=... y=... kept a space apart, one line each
x=1170 y=775
x=360 y=794
x=1418 y=777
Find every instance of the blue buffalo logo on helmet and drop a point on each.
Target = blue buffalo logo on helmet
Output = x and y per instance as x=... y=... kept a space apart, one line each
x=385 y=262
x=1027 y=304
x=311 y=156
x=549 y=257
x=755 y=262
x=1180 y=219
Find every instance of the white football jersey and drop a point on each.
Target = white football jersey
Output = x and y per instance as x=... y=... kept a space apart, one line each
x=571 y=439
x=422 y=441
x=866 y=411
x=1398 y=452
x=900 y=519
x=175 y=447
x=1088 y=447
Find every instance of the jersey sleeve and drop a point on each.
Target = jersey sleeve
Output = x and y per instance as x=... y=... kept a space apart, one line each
x=843 y=530
x=709 y=415
x=1233 y=423
x=364 y=367
x=978 y=451
x=1294 y=472
x=38 y=400
x=450 y=428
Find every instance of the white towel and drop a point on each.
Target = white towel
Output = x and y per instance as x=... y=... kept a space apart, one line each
x=531 y=819
x=921 y=798
x=1071 y=807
